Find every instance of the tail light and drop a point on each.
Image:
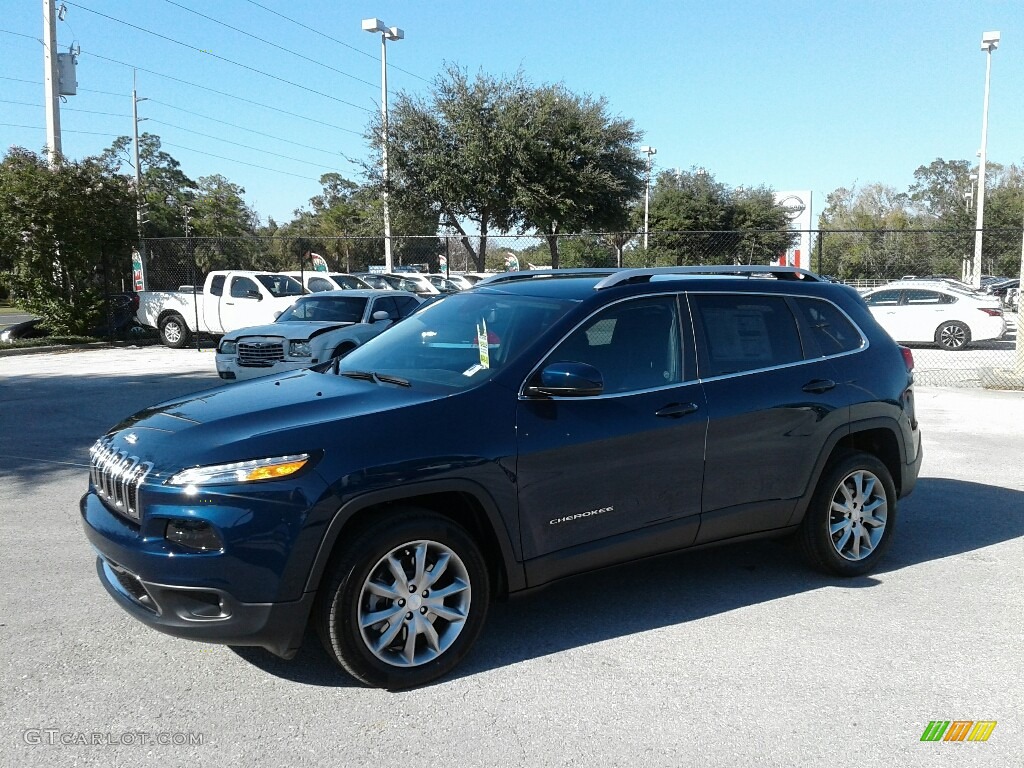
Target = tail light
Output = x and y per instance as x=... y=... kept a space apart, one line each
x=908 y=358
x=991 y=311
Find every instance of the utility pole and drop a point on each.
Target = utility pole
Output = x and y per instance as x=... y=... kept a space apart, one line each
x=138 y=166
x=51 y=81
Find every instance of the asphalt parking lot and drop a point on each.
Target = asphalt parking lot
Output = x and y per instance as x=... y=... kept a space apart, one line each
x=738 y=656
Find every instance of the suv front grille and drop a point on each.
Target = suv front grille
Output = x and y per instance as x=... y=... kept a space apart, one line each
x=260 y=354
x=116 y=478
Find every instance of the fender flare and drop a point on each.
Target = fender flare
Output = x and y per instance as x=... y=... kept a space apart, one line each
x=514 y=570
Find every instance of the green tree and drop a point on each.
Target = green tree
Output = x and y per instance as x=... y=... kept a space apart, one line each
x=453 y=151
x=66 y=231
x=579 y=168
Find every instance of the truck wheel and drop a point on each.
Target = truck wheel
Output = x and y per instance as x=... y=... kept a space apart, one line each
x=173 y=331
x=849 y=523
x=405 y=600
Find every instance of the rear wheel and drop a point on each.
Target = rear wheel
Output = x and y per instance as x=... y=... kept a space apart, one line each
x=173 y=331
x=405 y=600
x=953 y=335
x=849 y=523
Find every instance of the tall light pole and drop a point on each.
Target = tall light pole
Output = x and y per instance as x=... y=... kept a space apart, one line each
x=989 y=42
x=649 y=151
x=386 y=33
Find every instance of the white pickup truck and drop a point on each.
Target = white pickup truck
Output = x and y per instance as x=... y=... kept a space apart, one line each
x=229 y=300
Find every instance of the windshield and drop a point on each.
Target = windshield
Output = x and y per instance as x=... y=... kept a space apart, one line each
x=349 y=281
x=281 y=285
x=458 y=341
x=325 y=309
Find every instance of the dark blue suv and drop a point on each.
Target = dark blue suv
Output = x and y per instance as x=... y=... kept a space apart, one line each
x=539 y=425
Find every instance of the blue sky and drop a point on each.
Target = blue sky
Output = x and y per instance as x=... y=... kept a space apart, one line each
x=796 y=95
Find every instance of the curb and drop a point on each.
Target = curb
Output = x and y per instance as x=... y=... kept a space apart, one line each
x=77 y=347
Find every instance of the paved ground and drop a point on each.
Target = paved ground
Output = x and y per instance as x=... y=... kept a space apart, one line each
x=737 y=656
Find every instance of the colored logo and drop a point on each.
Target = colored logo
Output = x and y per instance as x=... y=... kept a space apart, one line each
x=958 y=730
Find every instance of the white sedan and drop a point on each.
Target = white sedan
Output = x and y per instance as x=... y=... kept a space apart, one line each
x=315 y=328
x=935 y=313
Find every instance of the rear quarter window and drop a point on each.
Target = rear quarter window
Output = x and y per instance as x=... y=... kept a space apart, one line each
x=828 y=327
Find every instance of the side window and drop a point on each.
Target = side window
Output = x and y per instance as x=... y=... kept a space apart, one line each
x=635 y=345
x=242 y=286
x=406 y=305
x=883 y=299
x=385 y=304
x=828 y=326
x=925 y=298
x=217 y=285
x=744 y=332
x=318 y=284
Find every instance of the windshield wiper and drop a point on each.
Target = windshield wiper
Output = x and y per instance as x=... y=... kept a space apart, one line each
x=378 y=378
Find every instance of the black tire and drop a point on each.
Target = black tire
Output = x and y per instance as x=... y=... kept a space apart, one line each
x=174 y=332
x=840 y=520
x=417 y=539
x=953 y=335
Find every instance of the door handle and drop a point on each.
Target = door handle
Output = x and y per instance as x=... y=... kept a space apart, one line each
x=819 y=386
x=675 y=410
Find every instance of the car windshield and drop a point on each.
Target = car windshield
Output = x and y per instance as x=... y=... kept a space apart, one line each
x=325 y=309
x=349 y=281
x=281 y=285
x=459 y=341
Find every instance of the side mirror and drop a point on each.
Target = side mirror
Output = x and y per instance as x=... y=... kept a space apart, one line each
x=567 y=379
x=254 y=295
x=278 y=314
x=379 y=315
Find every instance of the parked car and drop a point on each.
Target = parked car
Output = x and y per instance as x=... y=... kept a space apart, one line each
x=229 y=299
x=414 y=282
x=1004 y=290
x=501 y=439
x=317 y=282
x=444 y=284
x=935 y=313
x=461 y=281
x=375 y=280
x=313 y=329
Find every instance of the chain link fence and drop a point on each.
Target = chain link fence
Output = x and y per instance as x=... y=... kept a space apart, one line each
x=864 y=259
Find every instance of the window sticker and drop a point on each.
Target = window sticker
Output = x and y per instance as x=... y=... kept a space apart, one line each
x=472 y=370
x=481 y=342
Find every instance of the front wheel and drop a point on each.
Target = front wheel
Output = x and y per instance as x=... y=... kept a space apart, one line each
x=953 y=335
x=405 y=600
x=849 y=523
x=173 y=331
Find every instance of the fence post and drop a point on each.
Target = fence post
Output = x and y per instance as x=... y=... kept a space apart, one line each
x=818 y=245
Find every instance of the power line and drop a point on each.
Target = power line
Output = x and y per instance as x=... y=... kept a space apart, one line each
x=233 y=160
x=65 y=130
x=69 y=109
x=222 y=58
x=334 y=39
x=40 y=82
x=235 y=143
x=243 y=128
x=222 y=93
x=273 y=44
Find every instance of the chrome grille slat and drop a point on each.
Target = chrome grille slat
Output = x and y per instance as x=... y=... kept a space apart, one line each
x=260 y=354
x=116 y=477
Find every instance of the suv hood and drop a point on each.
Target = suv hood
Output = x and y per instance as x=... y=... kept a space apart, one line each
x=297 y=412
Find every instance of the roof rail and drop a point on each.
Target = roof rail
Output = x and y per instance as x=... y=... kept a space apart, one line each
x=644 y=274
x=529 y=274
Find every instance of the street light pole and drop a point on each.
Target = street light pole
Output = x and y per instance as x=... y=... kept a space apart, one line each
x=386 y=33
x=647 y=192
x=989 y=42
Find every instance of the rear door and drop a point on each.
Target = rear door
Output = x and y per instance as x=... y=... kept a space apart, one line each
x=770 y=410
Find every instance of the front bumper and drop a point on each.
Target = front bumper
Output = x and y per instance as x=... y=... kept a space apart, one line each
x=205 y=614
x=229 y=369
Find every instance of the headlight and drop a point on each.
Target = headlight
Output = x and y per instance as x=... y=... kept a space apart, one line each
x=228 y=347
x=299 y=349
x=241 y=471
